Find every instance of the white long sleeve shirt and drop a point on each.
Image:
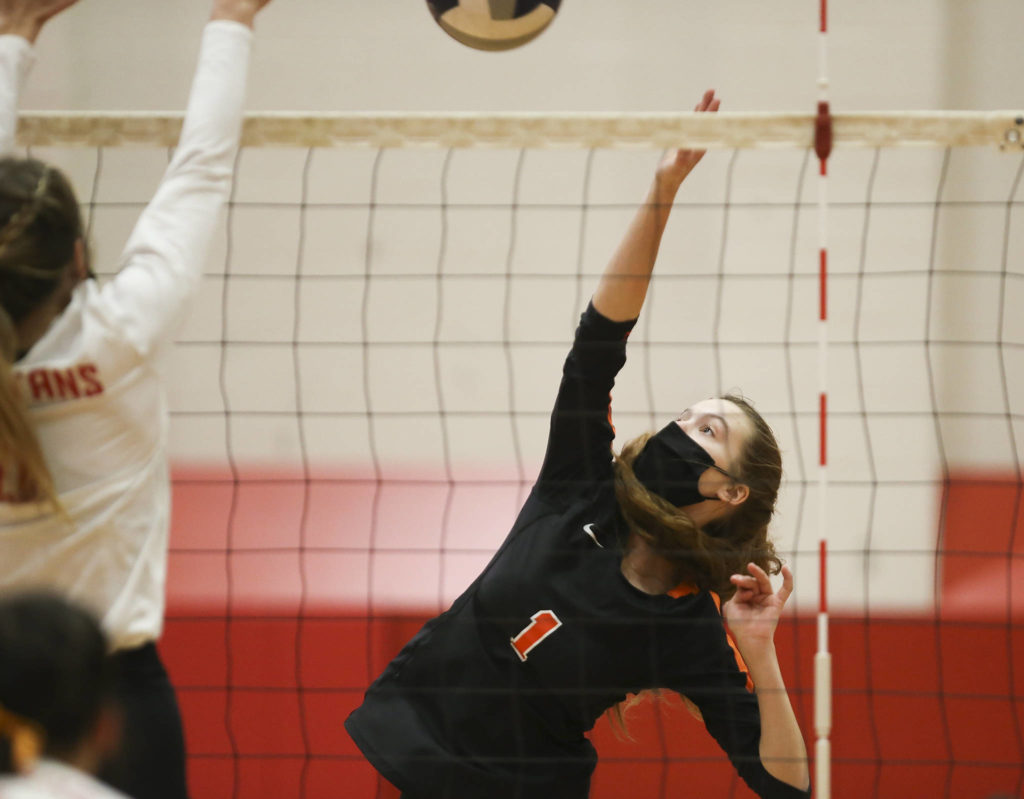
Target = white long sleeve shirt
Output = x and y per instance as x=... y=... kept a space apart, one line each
x=94 y=382
x=51 y=779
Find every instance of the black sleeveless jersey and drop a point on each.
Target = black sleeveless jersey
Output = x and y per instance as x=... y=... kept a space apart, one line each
x=492 y=699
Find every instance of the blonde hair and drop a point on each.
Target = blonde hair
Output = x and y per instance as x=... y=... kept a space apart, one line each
x=25 y=741
x=40 y=225
x=20 y=454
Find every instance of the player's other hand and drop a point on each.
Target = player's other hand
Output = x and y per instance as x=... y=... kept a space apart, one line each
x=754 y=610
x=26 y=18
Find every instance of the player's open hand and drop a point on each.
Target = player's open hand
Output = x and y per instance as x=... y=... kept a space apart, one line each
x=243 y=11
x=26 y=17
x=754 y=610
x=677 y=164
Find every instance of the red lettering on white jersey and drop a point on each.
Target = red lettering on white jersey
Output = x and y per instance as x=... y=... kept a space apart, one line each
x=39 y=384
x=90 y=376
x=64 y=384
x=48 y=385
x=542 y=624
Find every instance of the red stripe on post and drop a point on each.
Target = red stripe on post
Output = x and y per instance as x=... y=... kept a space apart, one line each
x=823 y=15
x=822 y=584
x=823 y=426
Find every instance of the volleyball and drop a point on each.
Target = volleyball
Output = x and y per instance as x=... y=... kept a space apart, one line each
x=493 y=24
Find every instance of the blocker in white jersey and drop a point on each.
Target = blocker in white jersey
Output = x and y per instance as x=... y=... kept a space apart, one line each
x=83 y=412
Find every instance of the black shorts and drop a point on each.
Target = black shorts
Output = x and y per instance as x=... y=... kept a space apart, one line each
x=151 y=761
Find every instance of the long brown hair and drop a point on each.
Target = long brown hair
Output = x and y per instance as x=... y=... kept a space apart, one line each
x=706 y=557
x=40 y=224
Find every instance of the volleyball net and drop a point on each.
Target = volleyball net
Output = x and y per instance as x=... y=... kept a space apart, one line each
x=360 y=403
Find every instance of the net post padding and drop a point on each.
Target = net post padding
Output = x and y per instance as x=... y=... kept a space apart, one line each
x=1003 y=129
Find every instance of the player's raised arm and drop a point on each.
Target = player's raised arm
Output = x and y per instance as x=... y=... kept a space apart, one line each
x=163 y=261
x=623 y=285
x=20 y=24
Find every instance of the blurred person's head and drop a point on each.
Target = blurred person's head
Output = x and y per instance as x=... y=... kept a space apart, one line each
x=55 y=684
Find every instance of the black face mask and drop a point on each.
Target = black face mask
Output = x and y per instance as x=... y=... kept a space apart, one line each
x=670 y=465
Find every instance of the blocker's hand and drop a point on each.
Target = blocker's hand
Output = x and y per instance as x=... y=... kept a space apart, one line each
x=26 y=18
x=677 y=164
x=243 y=11
x=754 y=610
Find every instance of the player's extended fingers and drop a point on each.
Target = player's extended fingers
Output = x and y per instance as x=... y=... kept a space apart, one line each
x=787 y=584
x=746 y=586
x=764 y=585
x=744 y=581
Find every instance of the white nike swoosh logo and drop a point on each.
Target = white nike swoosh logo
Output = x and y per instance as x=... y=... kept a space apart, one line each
x=589 y=530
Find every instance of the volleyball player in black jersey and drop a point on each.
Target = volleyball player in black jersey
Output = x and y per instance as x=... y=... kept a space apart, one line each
x=607 y=585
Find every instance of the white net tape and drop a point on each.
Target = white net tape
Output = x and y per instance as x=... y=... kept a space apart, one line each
x=726 y=129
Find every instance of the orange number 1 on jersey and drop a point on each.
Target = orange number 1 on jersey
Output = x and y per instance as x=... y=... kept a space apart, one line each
x=542 y=624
